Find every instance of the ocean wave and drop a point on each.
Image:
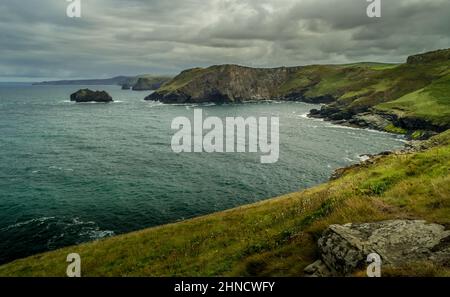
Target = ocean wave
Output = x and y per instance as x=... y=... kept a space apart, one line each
x=96 y=234
x=363 y=158
x=152 y=104
x=264 y=102
x=58 y=168
x=60 y=230
x=400 y=138
x=93 y=102
x=39 y=221
x=305 y=116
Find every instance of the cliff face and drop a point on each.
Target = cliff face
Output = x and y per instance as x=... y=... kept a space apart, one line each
x=225 y=83
x=430 y=57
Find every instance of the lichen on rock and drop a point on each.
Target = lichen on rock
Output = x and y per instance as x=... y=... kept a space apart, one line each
x=344 y=248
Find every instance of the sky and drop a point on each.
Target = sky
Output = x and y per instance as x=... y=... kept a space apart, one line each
x=38 y=41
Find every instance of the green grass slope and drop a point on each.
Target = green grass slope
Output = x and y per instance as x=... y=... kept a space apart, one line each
x=182 y=79
x=431 y=103
x=275 y=237
x=387 y=84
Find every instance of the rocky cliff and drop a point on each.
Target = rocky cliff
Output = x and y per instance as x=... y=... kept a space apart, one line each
x=430 y=57
x=225 y=83
x=411 y=98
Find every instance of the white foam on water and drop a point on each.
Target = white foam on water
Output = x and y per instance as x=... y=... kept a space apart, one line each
x=363 y=158
x=40 y=221
x=87 y=230
x=152 y=104
x=60 y=168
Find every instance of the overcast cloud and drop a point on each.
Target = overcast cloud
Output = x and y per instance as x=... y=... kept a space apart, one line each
x=38 y=41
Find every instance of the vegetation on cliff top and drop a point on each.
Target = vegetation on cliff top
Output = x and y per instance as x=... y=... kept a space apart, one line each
x=275 y=237
x=431 y=102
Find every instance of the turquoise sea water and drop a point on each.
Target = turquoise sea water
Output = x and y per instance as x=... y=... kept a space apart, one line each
x=71 y=172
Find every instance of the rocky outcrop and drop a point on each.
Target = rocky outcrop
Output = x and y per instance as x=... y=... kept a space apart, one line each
x=366 y=160
x=224 y=83
x=148 y=84
x=430 y=57
x=344 y=248
x=371 y=120
x=376 y=120
x=86 y=95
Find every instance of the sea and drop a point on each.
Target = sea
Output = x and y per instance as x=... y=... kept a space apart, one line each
x=72 y=173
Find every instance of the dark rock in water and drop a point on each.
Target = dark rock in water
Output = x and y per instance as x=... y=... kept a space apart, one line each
x=87 y=95
x=314 y=112
x=126 y=86
x=344 y=248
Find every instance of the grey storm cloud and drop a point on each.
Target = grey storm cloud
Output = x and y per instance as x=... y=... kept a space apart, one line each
x=38 y=40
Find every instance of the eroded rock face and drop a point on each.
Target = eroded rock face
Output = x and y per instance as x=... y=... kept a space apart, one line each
x=87 y=95
x=344 y=248
x=225 y=84
x=430 y=57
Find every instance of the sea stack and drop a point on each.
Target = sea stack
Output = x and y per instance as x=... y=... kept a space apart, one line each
x=86 y=95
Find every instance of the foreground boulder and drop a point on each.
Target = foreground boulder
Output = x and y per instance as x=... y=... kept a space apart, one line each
x=344 y=248
x=87 y=95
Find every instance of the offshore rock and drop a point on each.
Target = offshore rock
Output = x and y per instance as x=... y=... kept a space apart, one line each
x=86 y=95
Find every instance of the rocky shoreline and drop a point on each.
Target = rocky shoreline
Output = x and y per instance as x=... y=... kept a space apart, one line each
x=412 y=128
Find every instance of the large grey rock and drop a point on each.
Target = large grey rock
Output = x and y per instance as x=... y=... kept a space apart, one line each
x=344 y=248
x=371 y=120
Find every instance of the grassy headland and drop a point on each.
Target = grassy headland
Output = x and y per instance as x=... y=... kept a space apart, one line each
x=276 y=237
x=410 y=98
